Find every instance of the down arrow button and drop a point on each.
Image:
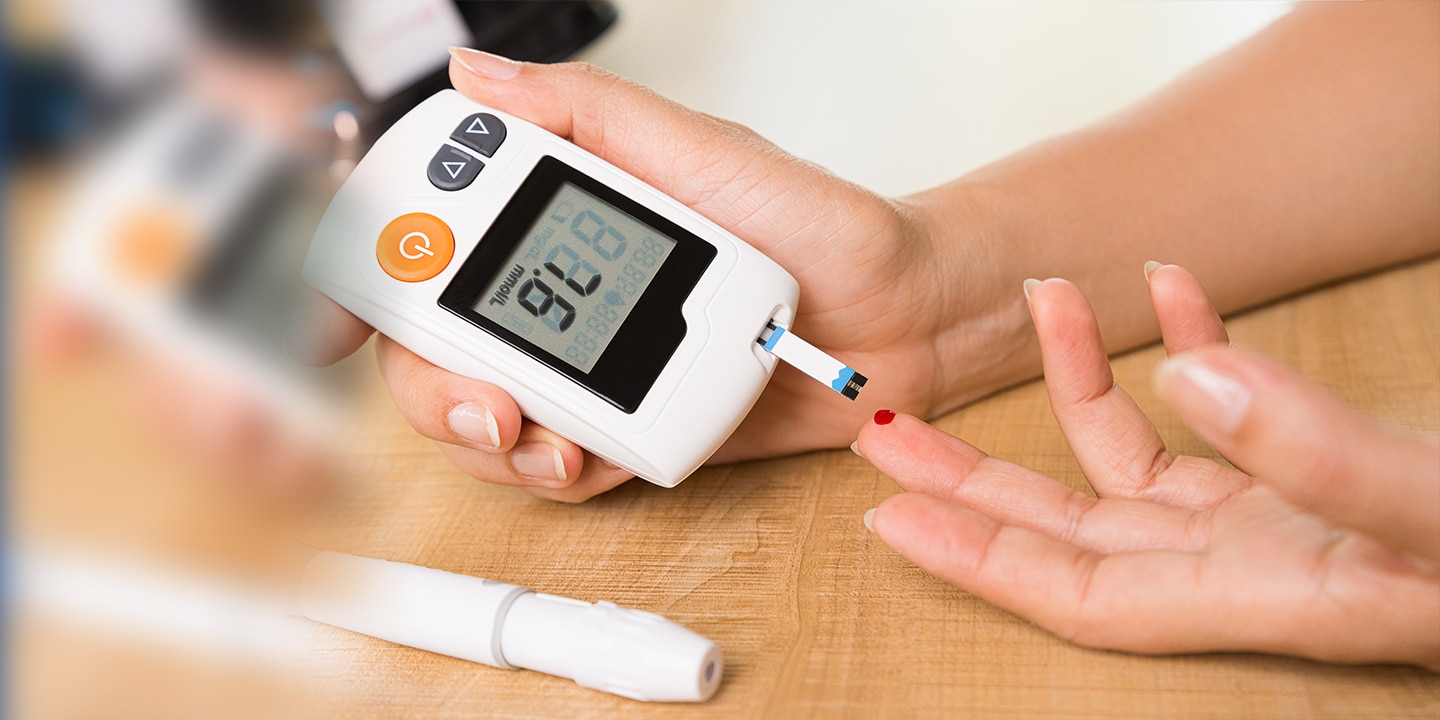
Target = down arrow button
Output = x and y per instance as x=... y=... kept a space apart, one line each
x=452 y=169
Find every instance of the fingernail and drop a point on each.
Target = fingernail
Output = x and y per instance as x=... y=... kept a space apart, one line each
x=869 y=519
x=1029 y=286
x=539 y=461
x=475 y=423
x=1210 y=396
x=485 y=64
x=855 y=448
x=1150 y=267
x=884 y=417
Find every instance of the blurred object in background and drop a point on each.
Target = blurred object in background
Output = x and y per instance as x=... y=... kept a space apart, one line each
x=107 y=633
x=79 y=67
x=171 y=160
x=47 y=105
x=184 y=235
x=201 y=140
x=396 y=52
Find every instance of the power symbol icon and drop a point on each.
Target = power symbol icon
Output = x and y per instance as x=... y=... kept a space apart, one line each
x=415 y=247
x=418 y=249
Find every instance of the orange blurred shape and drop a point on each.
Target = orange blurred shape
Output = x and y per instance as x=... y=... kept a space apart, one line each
x=154 y=246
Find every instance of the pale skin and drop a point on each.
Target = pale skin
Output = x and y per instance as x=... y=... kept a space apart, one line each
x=1325 y=545
x=1305 y=154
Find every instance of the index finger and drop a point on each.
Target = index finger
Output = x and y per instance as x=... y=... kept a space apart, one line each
x=1117 y=447
x=1187 y=319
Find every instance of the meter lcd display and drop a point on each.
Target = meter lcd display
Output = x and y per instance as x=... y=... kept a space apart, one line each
x=585 y=280
x=573 y=279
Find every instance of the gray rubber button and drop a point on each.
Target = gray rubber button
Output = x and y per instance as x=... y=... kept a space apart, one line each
x=452 y=169
x=481 y=132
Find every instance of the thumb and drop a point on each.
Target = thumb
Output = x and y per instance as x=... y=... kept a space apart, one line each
x=1317 y=452
x=712 y=166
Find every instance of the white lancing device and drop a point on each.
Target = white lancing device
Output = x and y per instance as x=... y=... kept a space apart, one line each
x=613 y=314
x=618 y=650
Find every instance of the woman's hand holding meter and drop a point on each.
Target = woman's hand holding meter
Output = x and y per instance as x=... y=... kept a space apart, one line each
x=1325 y=545
x=863 y=262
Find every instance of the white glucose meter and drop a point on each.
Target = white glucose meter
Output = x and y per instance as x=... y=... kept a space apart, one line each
x=612 y=314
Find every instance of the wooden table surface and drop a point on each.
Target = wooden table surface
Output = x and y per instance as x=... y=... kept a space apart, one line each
x=815 y=615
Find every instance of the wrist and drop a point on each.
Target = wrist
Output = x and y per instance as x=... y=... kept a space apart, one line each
x=982 y=338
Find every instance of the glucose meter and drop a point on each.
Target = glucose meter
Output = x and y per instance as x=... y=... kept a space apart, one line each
x=612 y=314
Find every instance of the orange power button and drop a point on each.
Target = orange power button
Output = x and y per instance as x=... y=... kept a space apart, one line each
x=415 y=247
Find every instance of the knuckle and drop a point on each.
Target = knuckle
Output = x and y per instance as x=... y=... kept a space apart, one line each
x=733 y=128
x=582 y=71
x=417 y=397
x=1074 y=512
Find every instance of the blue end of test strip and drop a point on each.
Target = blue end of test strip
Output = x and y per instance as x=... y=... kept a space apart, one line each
x=774 y=338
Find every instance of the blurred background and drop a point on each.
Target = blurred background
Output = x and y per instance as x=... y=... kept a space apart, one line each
x=167 y=161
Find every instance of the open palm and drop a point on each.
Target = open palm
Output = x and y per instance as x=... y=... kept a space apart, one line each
x=1317 y=550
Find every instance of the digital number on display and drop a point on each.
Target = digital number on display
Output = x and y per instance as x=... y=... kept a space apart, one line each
x=573 y=279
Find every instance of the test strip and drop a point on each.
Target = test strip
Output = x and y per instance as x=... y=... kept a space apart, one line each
x=812 y=361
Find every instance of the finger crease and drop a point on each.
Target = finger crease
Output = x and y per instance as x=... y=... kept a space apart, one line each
x=1199 y=527
x=984 y=555
x=1080 y=620
x=1077 y=508
x=1161 y=462
x=1092 y=395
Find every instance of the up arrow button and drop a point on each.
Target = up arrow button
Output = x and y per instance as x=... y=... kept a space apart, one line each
x=481 y=132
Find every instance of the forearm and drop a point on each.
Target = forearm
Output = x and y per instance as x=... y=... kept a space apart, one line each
x=1308 y=153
